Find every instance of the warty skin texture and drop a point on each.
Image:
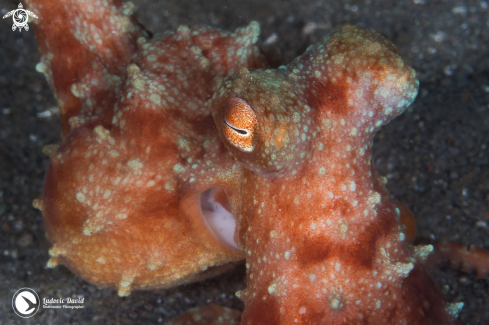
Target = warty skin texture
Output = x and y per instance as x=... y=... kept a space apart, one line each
x=322 y=236
x=121 y=200
x=144 y=136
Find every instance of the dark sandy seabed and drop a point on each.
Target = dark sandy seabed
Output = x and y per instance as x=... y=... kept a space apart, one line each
x=435 y=155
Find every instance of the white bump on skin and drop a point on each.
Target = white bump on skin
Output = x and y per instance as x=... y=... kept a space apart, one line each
x=454 y=308
x=352 y=186
x=41 y=67
x=343 y=230
x=287 y=255
x=421 y=252
x=322 y=171
x=169 y=186
x=135 y=164
x=80 y=197
x=337 y=266
x=271 y=288
x=378 y=304
x=374 y=199
x=107 y=194
x=335 y=303
x=403 y=269
x=139 y=84
x=155 y=98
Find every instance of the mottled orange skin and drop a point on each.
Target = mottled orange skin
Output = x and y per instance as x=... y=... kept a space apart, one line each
x=465 y=257
x=145 y=135
x=323 y=238
x=120 y=203
x=72 y=61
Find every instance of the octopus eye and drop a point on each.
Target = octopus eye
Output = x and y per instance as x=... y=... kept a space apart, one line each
x=240 y=123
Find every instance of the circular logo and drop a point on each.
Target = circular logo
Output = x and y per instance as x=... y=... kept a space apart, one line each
x=25 y=302
x=20 y=17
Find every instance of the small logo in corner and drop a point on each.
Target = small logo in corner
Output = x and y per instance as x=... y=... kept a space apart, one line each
x=21 y=17
x=25 y=302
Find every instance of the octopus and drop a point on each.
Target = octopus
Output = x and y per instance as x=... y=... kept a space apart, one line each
x=185 y=153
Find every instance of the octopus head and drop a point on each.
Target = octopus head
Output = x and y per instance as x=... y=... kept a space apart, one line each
x=262 y=120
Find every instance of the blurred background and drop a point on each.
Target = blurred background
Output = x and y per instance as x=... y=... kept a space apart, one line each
x=435 y=155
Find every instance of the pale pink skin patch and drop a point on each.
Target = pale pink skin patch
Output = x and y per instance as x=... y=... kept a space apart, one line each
x=220 y=221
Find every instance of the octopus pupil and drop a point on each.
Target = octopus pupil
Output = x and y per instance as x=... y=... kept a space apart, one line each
x=235 y=129
x=241 y=131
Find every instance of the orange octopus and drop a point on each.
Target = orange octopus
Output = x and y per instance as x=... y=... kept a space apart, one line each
x=183 y=154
